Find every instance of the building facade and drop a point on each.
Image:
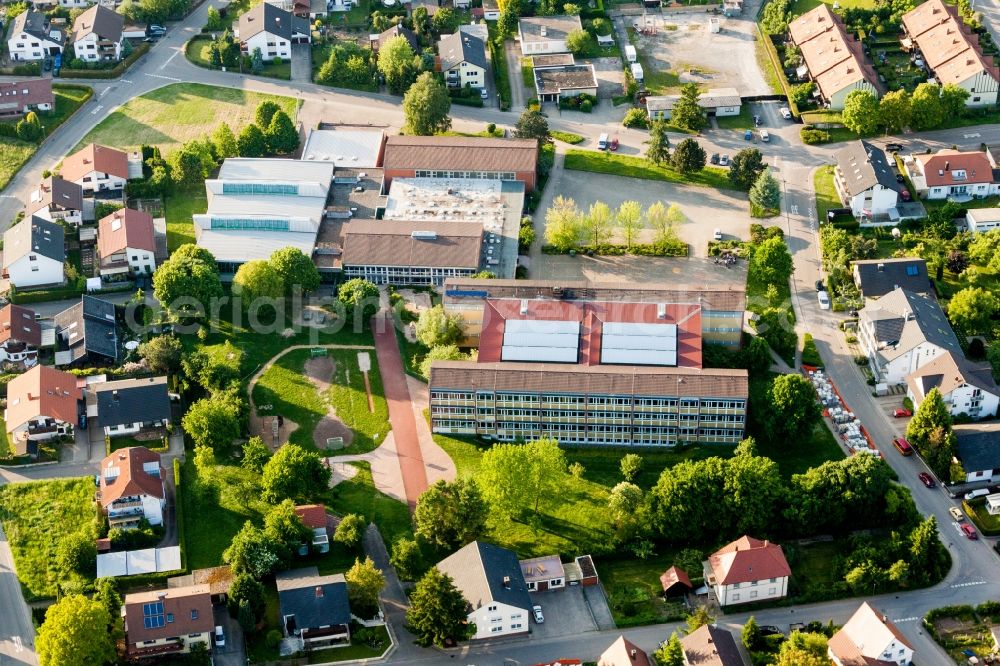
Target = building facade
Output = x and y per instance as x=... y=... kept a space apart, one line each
x=952 y=174
x=460 y=157
x=34 y=253
x=131 y=487
x=463 y=60
x=272 y=30
x=747 y=570
x=869 y=638
x=866 y=183
x=126 y=243
x=20 y=336
x=965 y=388
x=168 y=621
x=98 y=35
x=33 y=38
x=96 y=168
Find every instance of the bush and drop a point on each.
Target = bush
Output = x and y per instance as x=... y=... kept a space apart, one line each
x=812 y=136
x=810 y=355
x=636 y=119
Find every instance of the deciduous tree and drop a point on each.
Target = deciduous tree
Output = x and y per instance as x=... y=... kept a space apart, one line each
x=597 y=223
x=532 y=125
x=294 y=473
x=162 y=353
x=406 y=558
x=440 y=353
x=925 y=107
x=630 y=465
x=213 y=421
x=264 y=113
x=579 y=42
x=624 y=501
x=360 y=300
x=75 y=633
x=252 y=552
x=282 y=525
x=450 y=515
x=953 y=98
x=564 y=224
x=257 y=279
x=244 y=590
x=437 y=610
x=282 y=138
x=663 y=221
x=688 y=157
x=794 y=408
x=628 y=217
x=771 y=262
x=751 y=634
x=351 y=530
x=860 y=112
x=364 y=583
x=255 y=454
x=745 y=168
x=398 y=64
x=436 y=327
x=295 y=269
x=972 y=309
x=426 y=106
x=515 y=477
x=670 y=653
x=894 y=110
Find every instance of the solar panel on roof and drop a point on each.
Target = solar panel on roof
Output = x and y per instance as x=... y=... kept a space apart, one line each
x=541 y=340
x=639 y=344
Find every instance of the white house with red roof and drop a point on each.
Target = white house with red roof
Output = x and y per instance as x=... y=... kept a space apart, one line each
x=953 y=174
x=126 y=243
x=869 y=639
x=313 y=516
x=132 y=487
x=747 y=570
x=96 y=168
x=43 y=403
x=20 y=336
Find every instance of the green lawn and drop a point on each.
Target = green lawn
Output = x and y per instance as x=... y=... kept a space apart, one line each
x=179 y=208
x=741 y=122
x=566 y=137
x=126 y=442
x=356 y=650
x=286 y=387
x=179 y=112
x=815 y=566
x=37 y=517
x=766 y=65
x=13 y=154
x=826 y=193
x=358 y=495
x=800 y=7
x=638 y=167
x=635 y=594
x=198 y=51
x=797 y=457
x=603 y=466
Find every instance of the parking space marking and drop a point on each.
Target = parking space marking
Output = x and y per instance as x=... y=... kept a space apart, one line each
x=906 y=619
x=97 y=109
x=978 y=582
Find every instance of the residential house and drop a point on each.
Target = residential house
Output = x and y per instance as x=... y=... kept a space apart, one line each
x=675 y=582
x=56 y=199
x=624 y=652
x=132 y=406
x=979 y=451
x=714 y=102
x=377 y=41
x=982 y=219
x=126 y=243
x=993 y=504
x=556 y=82
x=903 y=331
x=20 y=97
x=952 y=52
x=98 y=35
x=834 y=59
x=42 y=403
x=33 y=38
x=869 y=638
x=20 y=336
x=96 y=168
x=877 y=277
x=273 y=31
x=462 y=60
x=966 y=388
x=866 y=183
x=490 y=579
x=953 y=174
x=460 y=157
x=88 y=330
x=131 y=487
x=314 y=608
x=34 y=252
x=169 y=621
x=546 y=34
x=711 y=645
x=491 y=10
x=543 y=573
x=746 y=571
x=73 y=4
x=313 y=516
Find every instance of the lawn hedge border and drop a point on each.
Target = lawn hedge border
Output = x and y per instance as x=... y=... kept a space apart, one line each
x=112 y=73
x=179 y=512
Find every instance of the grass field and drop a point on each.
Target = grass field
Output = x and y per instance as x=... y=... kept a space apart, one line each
x=800 y=7
x=13 y=154
x=826 y=194
x=743 y=121
x=178 y=209
x=638 y=167
x=169 y=116
x=358 y=495
x=286 y=387
x=37 y=517
x=566 y=137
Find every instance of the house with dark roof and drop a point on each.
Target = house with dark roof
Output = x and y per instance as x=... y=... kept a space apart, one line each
x=33 y=38
x=869 y=639
x=88 y=330
x=490 y=579
x=20 y=336
x=902 y=331
x=131 y=406
x=314 y=609
x=877 y=277
x=378 y=40
x=56 y=199
x=96 y=168
x=462 y=60
x=19 y=97
x=42 y=403
x=979 y=451
x=965 y=387
x=711 y=645
x=272 y=30
x=624 y=652
x=98 y=35
x=866 y=183
x=34 y=253
x=167 y=621
x=746 y=571
x=131 y=487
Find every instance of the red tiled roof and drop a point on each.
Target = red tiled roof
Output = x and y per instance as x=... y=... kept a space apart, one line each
x=132 y=479
x=125 y=228
x=312 y=516
x=672 y=576
x=939 y=168
x=623 y=652
x=592 y=315
x=28 y=92
x=746 y=560
x=95 y=158
x=19 y=324
x=188 y=609
x=42 y=391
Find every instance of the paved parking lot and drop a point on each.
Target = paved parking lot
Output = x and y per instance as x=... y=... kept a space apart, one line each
x=566 y=613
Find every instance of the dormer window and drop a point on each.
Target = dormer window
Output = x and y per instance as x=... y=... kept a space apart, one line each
x=958 y=174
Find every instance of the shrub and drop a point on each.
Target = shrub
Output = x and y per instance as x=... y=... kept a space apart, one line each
x=812 y=136
x=636 y=119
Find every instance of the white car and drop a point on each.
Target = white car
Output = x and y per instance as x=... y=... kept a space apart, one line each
x=824 y=300
x=717 y=235
x=220 y=637
x=971 y=495
x=785 y=112
x=537 y=612
x=764 y=136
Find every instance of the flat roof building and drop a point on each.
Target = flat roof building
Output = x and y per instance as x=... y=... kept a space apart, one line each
x=461 y=157
x=554 y=82
x=347 y=147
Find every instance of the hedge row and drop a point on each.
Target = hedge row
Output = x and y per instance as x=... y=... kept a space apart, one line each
x=113 y=73
x=179 y=512
x=27 y=69
x=26 y=297
x=610 y=250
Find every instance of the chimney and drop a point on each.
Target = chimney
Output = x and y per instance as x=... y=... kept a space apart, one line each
x=661 y=311
x=319 y=591
x=881 y=267
x=114 y=395
x=506 y=582
x=947 y=165
x=524 y=306
x=633 y=653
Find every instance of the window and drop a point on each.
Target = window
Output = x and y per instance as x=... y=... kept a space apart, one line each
x=495 y=630
x=736 y=597
x=753 y=594
x=170 y=617
x=194 y=614
x=491 y=608
x=912 y=270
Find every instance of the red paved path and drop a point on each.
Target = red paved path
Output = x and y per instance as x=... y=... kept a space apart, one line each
x=404 y=428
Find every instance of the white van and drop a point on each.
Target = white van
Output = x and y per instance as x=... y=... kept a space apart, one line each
x=824 y=300
x=602 y=142
x=764 y=136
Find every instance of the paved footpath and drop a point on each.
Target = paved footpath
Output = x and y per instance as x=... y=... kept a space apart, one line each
x=404 y=426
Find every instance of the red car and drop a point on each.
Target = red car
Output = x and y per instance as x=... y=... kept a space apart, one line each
x=926 y=479
x=899 y=413
x=614 y=145
x=969 y=531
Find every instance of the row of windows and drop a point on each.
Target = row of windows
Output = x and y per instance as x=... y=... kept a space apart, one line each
x=488 y=175
x=595 y=428
x=248 y=223
x=260 y=188
x=579 y=401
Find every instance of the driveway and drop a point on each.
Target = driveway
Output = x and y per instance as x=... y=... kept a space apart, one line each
x=566 y=613
x=512 y=51
x=233 y=653
x=301 y=63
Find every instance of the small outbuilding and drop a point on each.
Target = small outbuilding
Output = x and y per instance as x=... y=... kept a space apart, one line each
x=675 y=582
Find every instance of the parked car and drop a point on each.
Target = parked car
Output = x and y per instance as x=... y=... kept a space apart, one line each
x=969 y=531
x=820 y=286
x=926 y=479
x=614 y=145
x=484 y=93
x=756 y=121
x=824 y=300
x=537 y=612
x=770 y=630
x=717 y=234
x=900 y=412
x=973 y=494
x=785 y=112
x=748 y=135
x=894 y=147
x=956 y=513
x=902 y=446
x=764 y=136
x=220 y=637
x=714 y=159
x=602 y=142
x=155 y=28
x=724 y=160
